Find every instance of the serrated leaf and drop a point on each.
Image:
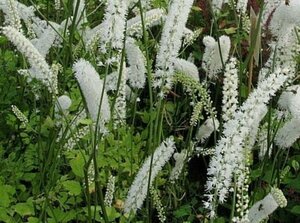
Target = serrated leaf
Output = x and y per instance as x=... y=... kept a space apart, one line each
x=73 y=187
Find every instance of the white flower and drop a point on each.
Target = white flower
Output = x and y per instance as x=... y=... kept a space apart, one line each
x=217 y=5
x=171 y=39
x=35 y=59
x=186 y=67
x=80 y=13
x=290 y=100
x=46 y=39
x=190 y=36
x=111 y=83
x=207 y=128
x=230 y=90
x=114 y=25
x=241 y=6
x=20 y=115
x=93 y=92
x=283 y=26
x=238 y=136
x=269 y=7
x=152 y=18
x=119 y=111
x=262 y=142
x=180 y=159
x=63 y=103
x=146 y=4
x=288 y=134
x=285 y=18
x=12 y=17
x=137 y=62
x=110 y=190
x=265 y=207
x=214 y=57
x=23 y=11
x=138 y=189
x=57 y=5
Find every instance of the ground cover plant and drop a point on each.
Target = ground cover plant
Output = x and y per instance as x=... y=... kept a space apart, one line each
x=149 y=111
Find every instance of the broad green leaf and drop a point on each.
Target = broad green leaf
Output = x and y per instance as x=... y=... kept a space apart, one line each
x=4 y=201
x=33 y=220
x=73 y=187
x=296 y=209
x=86 y=121
x=112 y=214
x=24 y=209
x=4 y=217
x=295 y=165
x=77 y=165
x=230 y=30
x=183 y=211
x=6 y=191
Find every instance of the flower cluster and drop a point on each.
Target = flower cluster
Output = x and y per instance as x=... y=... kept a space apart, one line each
x=93 y=92
x=230 y=90
x=39 y=67
x=137 y=62
x=265 y=207
x=158 y=205
x=114 y=23
x=180 y=159
x=233 y=146
x=289 y=132
x=207 y=128
x=138 y=189
x=152 y=18
x=23 y=119
x=110 y=190
x=170 y=42
x=215 y=54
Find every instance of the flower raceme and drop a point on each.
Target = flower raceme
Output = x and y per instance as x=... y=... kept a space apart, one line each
x=36 y=60
x=138 y=189
x=170 y=42
x=93 y=92
x=232 y=147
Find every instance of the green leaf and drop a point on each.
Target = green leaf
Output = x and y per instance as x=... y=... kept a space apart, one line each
x=86 y=121
x=4 y=201
x=183 y=211
x=4 y=216
x=33 y=220
x=73 y=187
x=230 y=30
x=6 y=191
x=296 y=209
x=24 y=209
x=295 y=165
x=112 y=214
x=196 y=8
x=77 y=165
